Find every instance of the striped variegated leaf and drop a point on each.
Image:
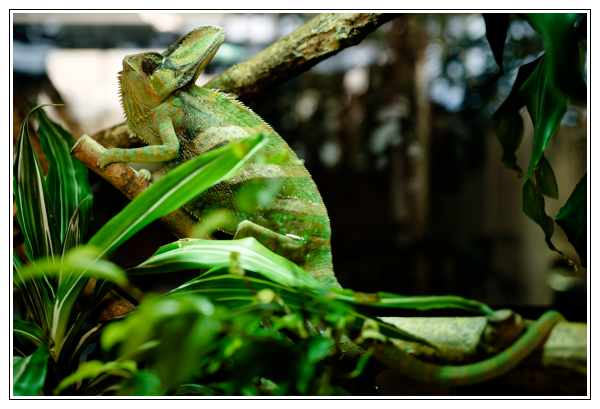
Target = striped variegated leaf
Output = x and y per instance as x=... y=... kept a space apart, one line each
x=34 y=206
x=67 y=178
x=74 y=235
x=174 y=190
x=253 y=256
x=71 y=343
x=34 y=292
x=31 y=331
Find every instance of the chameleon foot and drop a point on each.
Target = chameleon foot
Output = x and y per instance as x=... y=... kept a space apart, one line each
x=145 y=175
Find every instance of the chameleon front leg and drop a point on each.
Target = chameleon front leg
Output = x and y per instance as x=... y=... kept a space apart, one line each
x=407 y=365
x=168 y=150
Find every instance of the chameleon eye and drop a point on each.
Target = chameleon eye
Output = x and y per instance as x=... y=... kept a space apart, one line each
x=149 y=64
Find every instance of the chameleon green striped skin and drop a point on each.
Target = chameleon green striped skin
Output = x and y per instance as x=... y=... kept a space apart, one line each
x=449 y=375
x=180 y=121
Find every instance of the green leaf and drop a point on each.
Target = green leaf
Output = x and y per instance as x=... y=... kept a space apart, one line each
x=91 y=369
x=31 y=331
x=496 y=27
x=29 y=374
x=67 y=178
x=573 y=219
x=507 y=121
x=34 y=206
x=534 y=208
x=198 y=253
x=174 y=190
x=546 y=108
x=562 y=51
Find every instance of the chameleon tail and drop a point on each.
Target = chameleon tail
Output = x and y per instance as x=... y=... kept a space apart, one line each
x=500 y=364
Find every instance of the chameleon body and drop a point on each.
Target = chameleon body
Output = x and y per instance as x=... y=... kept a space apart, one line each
x=407 y=365
x=180 y=120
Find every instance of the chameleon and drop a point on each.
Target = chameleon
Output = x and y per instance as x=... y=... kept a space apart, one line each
x=180 y=120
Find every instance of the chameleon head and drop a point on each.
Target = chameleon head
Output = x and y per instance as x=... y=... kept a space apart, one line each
x=159 y=75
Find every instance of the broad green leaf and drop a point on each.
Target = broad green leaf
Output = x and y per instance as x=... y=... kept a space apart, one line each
x=29 y=374
x=573 y=219
x=67 y=178
x=31 y=331
x=198 y=253
x=546 y=108
x=174 y=190
x=507 y=121
x=92 y=369
x=34 y=205
x=496 y=27
x=562 y=52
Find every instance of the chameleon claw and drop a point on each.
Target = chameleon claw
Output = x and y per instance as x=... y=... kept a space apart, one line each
x=145 y=175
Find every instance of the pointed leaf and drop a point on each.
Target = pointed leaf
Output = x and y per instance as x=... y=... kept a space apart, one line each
x=573 y=219
x=496 y=27
x=534 y=208
x=546 y=108
x=29 y=374
x=174 y=190
x=67 y=178
x=507 y=121
x=34 y=206
x=74 y=235
x=31 y=331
